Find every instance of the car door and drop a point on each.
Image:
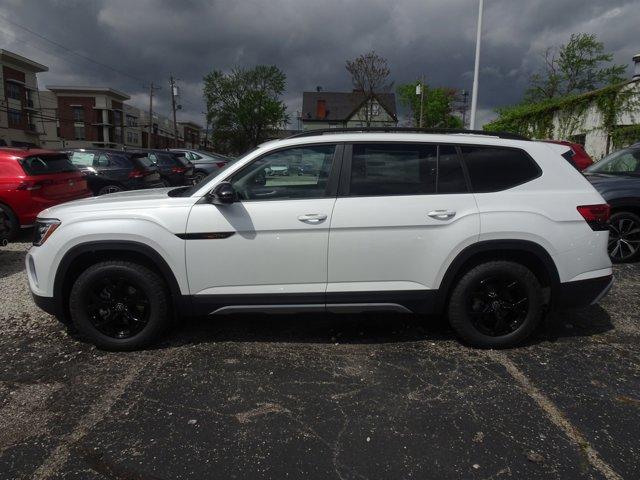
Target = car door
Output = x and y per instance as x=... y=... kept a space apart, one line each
x=403 y=212
x=270 y=247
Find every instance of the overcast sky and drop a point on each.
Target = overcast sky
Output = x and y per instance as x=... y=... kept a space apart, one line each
x=309 y=40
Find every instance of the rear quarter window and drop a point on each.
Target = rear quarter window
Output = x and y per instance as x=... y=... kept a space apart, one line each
x=47 y=164
x=492 y=169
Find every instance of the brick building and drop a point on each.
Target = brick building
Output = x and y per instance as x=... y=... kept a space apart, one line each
x=190 y=133
x=20 y=114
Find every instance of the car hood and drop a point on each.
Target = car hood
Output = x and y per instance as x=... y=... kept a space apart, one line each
x=611 y=184
x=134 y=199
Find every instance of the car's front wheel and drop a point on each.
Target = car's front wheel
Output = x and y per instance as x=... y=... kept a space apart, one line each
x=119 y=305
x=624 y=237
x=496 y=304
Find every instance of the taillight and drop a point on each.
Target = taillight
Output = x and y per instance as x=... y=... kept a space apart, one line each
x=29 y=185
x=597 y=216
x=179 y=169
x=221 y=164
x=136 y=173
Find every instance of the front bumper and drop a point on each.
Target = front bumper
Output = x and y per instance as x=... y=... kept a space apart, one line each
x=581 y=293
x=45 y=303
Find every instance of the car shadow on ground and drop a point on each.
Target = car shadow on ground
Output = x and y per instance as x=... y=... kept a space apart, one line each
x=11 y=261
x=366 y=328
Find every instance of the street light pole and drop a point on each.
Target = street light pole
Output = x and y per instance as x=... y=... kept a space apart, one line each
x=474 y=92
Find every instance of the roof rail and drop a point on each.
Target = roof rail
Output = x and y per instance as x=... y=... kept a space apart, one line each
x=444 y=131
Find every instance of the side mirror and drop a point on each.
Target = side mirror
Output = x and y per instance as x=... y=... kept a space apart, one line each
x=223 y=194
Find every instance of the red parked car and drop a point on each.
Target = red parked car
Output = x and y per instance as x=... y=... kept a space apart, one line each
x=32 y=180
x=578 y=155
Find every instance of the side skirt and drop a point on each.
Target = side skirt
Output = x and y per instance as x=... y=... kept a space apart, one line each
x=412 y=301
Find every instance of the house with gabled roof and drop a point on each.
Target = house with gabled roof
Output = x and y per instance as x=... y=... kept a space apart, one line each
x=322 y=109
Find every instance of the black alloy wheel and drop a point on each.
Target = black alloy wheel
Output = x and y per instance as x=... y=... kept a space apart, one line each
x=120 y=305
x=117 y=308
x=624 y=237
x=498 y=305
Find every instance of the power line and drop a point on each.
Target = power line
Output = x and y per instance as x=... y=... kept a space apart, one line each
x=59 y=45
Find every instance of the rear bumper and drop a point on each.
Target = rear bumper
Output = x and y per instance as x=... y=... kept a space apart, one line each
x=582 y=292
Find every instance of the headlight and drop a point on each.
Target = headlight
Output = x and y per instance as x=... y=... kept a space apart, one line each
x=44 y=228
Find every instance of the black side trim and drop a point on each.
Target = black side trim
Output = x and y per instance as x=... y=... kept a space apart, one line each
x=205 y=304
x=205 y=235
x=418 y=301
x=582 y=292
x=181 y=302
x=496 y=246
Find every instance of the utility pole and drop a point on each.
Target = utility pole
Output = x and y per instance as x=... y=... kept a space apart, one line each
x=421 y=98
x=174 y=93
x=476 y=70
x=206 y=131
x=152 y=88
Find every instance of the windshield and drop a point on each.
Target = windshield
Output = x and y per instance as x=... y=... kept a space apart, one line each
x=622 y=162
x=188 y=191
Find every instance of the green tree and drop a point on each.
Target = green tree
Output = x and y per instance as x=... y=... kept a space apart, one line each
x=244 y=106
x=437 y=109
x=579 y=66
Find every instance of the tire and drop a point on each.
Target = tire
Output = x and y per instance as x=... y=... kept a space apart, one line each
x=198 y=177
x=166 y=182
x=9 y=225
x=110 y=189
x=497 y=304
x=624 y=237
x=119 y=305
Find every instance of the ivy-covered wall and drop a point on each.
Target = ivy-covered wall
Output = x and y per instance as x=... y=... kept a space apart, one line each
x=609 y=118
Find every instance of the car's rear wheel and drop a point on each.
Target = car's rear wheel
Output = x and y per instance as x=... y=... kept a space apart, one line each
x=110 y=189
x=9 y=225
x=119 y=305
x=496 y=304
x=198 y=177
x=166 y=182
x=624 y=237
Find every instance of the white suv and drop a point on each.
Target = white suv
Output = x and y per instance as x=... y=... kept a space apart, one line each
x=489 y=229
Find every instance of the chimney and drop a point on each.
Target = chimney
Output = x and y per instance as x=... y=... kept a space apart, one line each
x=636 y=67
x=321 y=109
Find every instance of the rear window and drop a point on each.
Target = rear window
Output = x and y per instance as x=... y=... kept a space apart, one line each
x=492 y=169
x=47 y=164
x=142 y=160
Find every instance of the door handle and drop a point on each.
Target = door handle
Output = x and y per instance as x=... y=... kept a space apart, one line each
x=312 y=218
x=442 y=214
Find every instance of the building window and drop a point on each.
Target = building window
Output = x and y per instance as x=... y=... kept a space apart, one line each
x=117 y=118
x=78 y=132
x=78 y=114
x=117 y=134
x=132 y=121
x=14 y=91
x=580 y=138
x=15 y=117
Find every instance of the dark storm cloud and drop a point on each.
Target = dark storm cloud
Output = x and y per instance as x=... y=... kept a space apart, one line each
x=309 y=40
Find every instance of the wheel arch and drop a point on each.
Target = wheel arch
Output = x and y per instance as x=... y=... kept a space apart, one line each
x=83 y=255
x=530 y=254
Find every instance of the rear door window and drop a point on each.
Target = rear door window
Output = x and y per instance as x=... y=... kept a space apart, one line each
x=47 y=164
x=82 y=159
x=492 y=169
x=393 y=169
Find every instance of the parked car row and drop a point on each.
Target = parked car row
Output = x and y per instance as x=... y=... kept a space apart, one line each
x=32 y=180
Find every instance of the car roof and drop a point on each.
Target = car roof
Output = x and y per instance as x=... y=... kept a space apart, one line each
x=20 y=152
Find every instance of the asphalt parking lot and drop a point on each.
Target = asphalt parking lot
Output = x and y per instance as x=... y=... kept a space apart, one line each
x=344 y=397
